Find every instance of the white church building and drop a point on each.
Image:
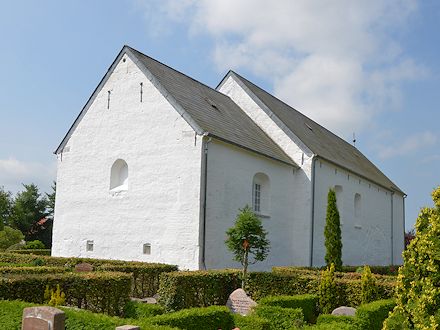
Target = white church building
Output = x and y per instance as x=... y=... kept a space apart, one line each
x=157 y=165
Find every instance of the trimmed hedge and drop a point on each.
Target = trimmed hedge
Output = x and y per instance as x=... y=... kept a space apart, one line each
x=32 y=270
x=280 y=318
x=209 y=318
x=250 y=322
x=39 y=252
x=11 y=315
x=328 y=318
x=179 y=290
x=99 y=292
x=391 y=270
x=138 y=310
x=307 y=302
x=145 y=276
x=371 y=316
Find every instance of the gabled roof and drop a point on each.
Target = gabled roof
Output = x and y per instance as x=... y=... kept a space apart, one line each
x=208 y=111
x=318 y=139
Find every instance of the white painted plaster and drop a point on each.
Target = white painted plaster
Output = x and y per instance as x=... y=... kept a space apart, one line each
x=161 y=205
x=230 y=174
x=367 y=238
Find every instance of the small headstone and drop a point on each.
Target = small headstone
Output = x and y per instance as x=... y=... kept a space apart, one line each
x=240 y=303
x=344 y=310
x=128 y=327
x=148 y=300
x=43 y=318
x=84 y=267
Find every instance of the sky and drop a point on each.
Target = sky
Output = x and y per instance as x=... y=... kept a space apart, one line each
x=366 y=67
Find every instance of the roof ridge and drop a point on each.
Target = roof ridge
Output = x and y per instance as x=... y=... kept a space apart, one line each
x=292 y=108
x=175 y=70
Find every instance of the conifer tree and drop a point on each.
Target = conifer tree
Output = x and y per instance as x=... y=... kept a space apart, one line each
x=332 y=233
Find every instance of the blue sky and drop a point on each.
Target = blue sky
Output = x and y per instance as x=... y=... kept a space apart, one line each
x=370 y=67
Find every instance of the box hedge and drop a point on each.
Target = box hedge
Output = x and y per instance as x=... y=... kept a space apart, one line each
x=39 y=252
x=145 y=276
x=139 y=310
x=307 y=302
x=250 y=322
x=371 y=316
x=208 y=318
x=32 y=270
x=98 y=291
x=179 y=290
x=11 y=316
x=280 y=318
x=329 y=318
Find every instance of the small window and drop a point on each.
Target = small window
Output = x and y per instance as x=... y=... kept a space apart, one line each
x=119 y=176
x=357 y=205
x=147 y=248
x=261 y=193
x=89 y=246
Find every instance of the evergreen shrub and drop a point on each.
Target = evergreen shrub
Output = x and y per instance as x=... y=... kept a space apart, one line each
x=307 y=302
x=186 y=289
x=250 y=322
x=332 y=233
x=98 y=291
x=329 y=318
x=39 y=252
x=139 y=310
x=327 y=293
x=281 y=318
x=372 y=315
x=368 y=285
x=208 y=318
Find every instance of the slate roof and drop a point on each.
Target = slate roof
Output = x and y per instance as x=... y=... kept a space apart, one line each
x=213 y=111
x=319 y=140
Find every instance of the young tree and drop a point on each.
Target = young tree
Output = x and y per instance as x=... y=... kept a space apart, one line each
x=9 y=236
x=327 y=290
x=247 y=237
x=418 y=289
x=29 y=208
x=368 y=286
x=5 y=207
x=51 y=200
x=332 y=233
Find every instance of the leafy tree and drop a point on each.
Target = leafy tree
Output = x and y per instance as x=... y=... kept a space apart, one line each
x=247 y=237
x=51 y=200
x=418 y=282
x=28 y=209
x=332 y=233
x=327 y=291
x=5 y=207
x=9 y=236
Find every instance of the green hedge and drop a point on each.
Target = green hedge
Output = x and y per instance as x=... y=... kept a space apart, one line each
x=307 y=302
x=138 y=310
x=99 y=292
x=39 y=252
x=371 y=316
x=145 y=276
x=391 y=270
x=280 y=318
x=32 y=270
x=208 y=318
x=11 y=316
x=179 y=290
x=250 y=322
x=328 y=318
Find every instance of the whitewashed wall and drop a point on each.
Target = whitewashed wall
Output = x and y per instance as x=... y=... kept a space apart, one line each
x=230 y=174
x=367 y=238
x=162 y=204
x=295 y=149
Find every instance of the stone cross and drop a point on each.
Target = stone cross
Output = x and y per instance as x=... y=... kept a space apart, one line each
x=240 y=303
x=43 y=318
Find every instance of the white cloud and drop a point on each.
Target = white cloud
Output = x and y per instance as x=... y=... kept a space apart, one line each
x=412 y=144
x=336 y=61
x=14 y=172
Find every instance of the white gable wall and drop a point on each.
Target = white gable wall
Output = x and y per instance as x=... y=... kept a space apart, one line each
x=162 y=204
x=229 y=188
x=366 y=237
x=300 y=194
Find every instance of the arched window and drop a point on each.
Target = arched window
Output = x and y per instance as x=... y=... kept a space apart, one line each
x=119 y=176
x=261 y=193
x=357 y=205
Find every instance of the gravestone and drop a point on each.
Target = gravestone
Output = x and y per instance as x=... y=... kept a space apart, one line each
x=344 y=310
x=43 y=318
x=240 y=303
x=83 y=267
x=128 y=327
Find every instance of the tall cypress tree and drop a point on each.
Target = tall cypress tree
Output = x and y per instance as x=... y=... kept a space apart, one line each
x=332 y=233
